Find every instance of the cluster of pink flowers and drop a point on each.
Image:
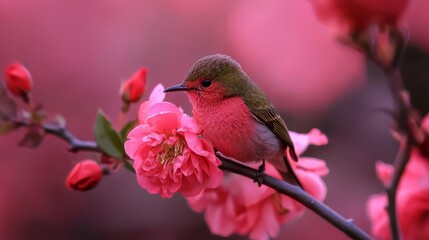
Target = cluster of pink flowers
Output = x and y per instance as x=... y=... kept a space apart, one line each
x=169 y=156
x=412 y=197
x=239 y=206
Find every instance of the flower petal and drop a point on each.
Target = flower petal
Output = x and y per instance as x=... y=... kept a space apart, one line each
x=384 y=172
x=302 y=141
x=314 y=165
x=157 y=95
x=218 y=222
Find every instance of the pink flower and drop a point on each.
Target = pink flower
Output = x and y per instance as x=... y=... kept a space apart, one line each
x=84 y=176
x=18 y=79
x=412 y=200
x=302 y=141
x=132 y=89
x=417 y=21
x=357 y=14
x=239 y=206
x=169 y=156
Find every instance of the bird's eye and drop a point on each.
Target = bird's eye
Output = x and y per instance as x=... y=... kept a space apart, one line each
x=206 y=83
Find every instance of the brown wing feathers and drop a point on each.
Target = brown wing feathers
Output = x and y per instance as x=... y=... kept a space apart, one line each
x=272 y=120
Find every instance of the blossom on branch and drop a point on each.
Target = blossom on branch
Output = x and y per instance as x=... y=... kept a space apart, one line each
x=352 y=15
x=412 y=200
x=239 y=206
x=412 y=196
x=18 y=79
x=169 y=156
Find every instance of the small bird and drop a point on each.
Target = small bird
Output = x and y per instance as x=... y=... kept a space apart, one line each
x=236 y=116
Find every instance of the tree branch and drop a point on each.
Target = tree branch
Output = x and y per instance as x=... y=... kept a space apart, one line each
x=75 y=143
x=295 y=192
x=400 y=96
x=282 y=187
x=400 y=163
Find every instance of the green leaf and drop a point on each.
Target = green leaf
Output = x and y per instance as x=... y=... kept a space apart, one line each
x=129 y=167
x=107 y=138
x=7 y=105
x=127 y=128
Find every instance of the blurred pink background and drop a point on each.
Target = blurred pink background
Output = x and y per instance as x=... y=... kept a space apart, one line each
x=79 y=51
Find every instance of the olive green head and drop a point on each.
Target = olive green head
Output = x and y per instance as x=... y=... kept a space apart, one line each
x=217 y=73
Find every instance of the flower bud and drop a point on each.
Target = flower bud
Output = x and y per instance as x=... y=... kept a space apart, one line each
x=18 y=79
x=132 y=89
x=84 y=176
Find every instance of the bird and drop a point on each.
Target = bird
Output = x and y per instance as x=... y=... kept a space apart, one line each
x=237 y=117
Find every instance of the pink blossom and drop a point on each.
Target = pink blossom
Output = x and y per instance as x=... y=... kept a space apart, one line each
x=239 y=206
x=412 y=200
x=352 y=15
x=302 y=141
x=417 y=21
x=169 y=156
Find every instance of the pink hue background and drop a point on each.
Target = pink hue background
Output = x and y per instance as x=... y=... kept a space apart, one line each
x=79 y=51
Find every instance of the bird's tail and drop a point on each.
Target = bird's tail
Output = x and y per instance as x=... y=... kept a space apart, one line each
x=290 y=176
x=291 y=151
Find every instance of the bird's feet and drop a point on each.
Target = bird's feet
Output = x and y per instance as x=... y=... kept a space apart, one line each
x=259 y=177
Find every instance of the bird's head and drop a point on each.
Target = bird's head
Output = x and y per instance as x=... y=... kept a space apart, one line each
x=213 y=78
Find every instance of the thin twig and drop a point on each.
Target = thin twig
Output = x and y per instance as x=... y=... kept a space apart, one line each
x=400 y=163
x=403 y=106
x=75 y=143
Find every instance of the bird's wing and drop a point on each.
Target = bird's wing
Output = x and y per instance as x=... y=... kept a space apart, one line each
x=271 y=118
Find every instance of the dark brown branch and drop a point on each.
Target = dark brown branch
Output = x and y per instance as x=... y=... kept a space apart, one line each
x=75 y=143
x=402 y=117
x=400 y=96
x=400 y=163
x=293 y=191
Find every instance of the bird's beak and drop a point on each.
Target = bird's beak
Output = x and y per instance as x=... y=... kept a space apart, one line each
x=177 y=87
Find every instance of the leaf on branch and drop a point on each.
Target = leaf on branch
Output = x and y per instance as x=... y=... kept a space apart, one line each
x=107 y=138
x=33 y=137
x=6 y=127
x=7 y=105
x=38 y=114
x=129 y=167
x=126 y=129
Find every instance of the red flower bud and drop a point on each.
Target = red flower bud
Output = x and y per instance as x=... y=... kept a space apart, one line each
x=134 y=87
x=18 y=79
x=84 y=176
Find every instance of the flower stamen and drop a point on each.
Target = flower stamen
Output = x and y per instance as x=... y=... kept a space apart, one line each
x=168 y=153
